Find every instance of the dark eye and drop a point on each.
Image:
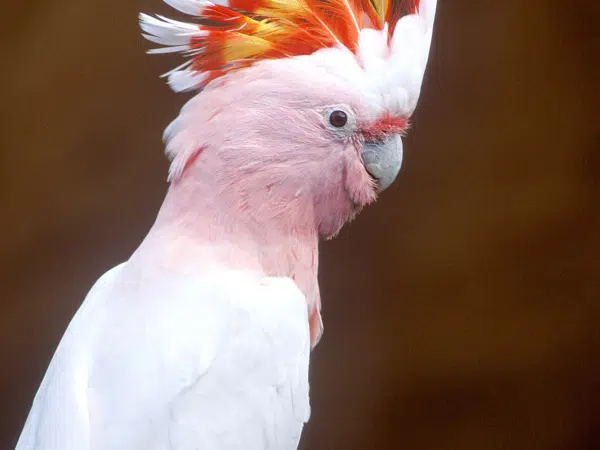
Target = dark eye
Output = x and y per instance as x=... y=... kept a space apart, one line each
x=338 y=118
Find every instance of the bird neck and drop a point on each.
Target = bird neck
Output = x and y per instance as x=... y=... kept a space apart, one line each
x=207 y=226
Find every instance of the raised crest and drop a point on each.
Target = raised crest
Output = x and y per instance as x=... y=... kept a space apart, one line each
x=237 y=34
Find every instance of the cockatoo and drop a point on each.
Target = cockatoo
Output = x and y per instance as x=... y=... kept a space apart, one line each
x=202 y=339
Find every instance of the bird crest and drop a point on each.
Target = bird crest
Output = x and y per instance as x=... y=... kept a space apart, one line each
x=231 y=36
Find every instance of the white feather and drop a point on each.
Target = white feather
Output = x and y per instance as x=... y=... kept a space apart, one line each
x=399 y=77
x=185 y=80
x=191 y=7
x=178 y=362
x=166 y=31
x=171 y=49
x=178 y=24
x=427 y=10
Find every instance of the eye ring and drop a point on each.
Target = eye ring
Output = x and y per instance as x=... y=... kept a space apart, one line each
x=338 y=118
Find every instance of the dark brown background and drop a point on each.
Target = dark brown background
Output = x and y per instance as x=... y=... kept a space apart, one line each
x=461 y=311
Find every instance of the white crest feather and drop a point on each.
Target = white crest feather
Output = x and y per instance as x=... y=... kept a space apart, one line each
x=185 y=80
x=395 y=66
x=409 y=54
x=165 y=31
x=191 y=7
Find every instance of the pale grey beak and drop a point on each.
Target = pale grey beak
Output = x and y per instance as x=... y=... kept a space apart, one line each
x=383 y=160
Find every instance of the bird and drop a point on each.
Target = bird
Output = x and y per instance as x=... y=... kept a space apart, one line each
x=202 y=339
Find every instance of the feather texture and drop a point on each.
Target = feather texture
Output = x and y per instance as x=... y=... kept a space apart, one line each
x=211 y=360
x=238 y=33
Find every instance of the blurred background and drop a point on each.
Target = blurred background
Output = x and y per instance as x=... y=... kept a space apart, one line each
x=461 y=311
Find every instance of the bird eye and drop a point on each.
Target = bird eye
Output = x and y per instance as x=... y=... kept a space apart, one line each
x=338 y=118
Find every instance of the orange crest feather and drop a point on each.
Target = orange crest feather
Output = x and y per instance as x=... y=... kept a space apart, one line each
x=246 y=31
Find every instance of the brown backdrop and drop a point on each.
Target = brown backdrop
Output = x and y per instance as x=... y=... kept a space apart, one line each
x=461 y=311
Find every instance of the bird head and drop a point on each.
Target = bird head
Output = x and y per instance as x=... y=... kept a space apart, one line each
x=306 y=100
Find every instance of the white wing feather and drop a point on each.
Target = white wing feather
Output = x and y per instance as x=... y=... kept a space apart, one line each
x=215 y=362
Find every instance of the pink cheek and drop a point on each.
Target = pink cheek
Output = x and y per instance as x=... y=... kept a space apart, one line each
x=358 y=182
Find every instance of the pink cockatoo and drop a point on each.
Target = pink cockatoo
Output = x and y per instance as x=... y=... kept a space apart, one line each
x=201 y=340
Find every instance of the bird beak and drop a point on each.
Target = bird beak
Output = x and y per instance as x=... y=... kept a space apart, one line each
x=383 y=160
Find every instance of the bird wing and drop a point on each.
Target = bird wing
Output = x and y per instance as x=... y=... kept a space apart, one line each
x=218 y=361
